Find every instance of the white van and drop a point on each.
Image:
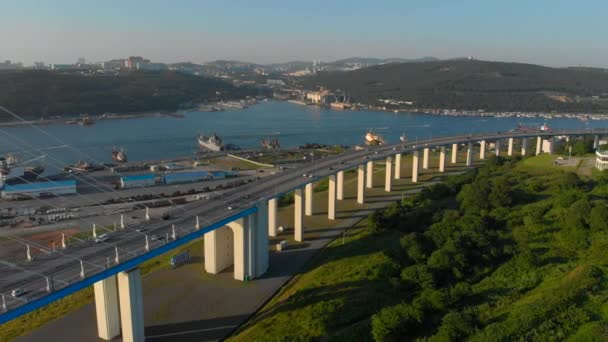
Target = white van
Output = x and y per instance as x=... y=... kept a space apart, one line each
x=101 y=238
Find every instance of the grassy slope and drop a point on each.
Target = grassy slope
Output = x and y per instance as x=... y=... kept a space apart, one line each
x=344 y=286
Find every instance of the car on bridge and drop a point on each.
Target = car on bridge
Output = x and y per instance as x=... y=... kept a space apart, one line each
x=16 y=293
x=102 y=238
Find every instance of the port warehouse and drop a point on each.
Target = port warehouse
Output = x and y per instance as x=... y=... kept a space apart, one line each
x=150 y=179
x=41 y=189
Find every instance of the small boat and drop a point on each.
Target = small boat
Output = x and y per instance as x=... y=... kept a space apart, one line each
x=270 y=143
x=119 y=155
x=403 y=138
x=373 y=139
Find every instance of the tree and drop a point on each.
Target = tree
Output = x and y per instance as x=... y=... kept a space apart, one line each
x=396 y=323
x=455 y=326
x=598 y=218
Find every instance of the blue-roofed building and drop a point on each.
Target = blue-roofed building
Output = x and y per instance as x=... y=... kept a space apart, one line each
x=137 y=181
x=219 y=175
x=186 y=177
x=41 y=189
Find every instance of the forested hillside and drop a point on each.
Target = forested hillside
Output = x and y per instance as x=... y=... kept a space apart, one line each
x=40 y=94
x=515 y=251
x=472 y=85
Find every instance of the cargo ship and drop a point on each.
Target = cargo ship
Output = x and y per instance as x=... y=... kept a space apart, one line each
x=373 y=139
x=528 y=129
x=210 y=142
x=119 y=155
x=82 y=166
x=12 y=173
x=270 y=143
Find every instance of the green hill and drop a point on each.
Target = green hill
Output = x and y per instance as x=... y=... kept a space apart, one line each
x=513 y=251
x=41 y=94
x=472 y=85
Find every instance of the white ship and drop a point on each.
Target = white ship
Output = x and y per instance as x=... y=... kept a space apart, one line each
x=210 y=142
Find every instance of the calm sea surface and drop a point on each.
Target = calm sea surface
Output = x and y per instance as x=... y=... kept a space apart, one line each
x=292 y=124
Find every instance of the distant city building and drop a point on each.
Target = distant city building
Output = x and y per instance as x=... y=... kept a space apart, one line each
x=8 y=65
x=81 y=61
x=131 y=62
x=39 y=65
x=62 y=67
x=275 y=83
x=319 y=97
x=151 y=66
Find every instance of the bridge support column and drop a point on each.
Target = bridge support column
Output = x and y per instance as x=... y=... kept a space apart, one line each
x=497 y=147
x=131 y=305
x=415 y=162
x=361 y=184
x=331 y=198
x=454 y=153
x=482 y=150
x=272 y=217
x=524 y=146
x=510 y=147
x=308 y=199
x=398 y=166
x=548 y=145
x=539 y=145
x=389 y=174
x=596 y=142
x=369 y=183
x=219 y=250
x=106 y=308
x=340 y=186
x=298 y=218
x=425 y=158
x=242 y=243
x=470 y=154
x=442 y=159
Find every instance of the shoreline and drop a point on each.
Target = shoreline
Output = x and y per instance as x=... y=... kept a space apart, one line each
x=204 y=108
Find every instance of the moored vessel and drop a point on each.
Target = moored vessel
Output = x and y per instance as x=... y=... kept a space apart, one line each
x=210 y=142
x=119 y=155
x=373 y=139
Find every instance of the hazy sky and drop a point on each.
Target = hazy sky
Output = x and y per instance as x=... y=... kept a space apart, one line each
x=549 y=32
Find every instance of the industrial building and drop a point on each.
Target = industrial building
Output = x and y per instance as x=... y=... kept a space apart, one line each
x=43 y=189
x=137 y=181
x=186 y=177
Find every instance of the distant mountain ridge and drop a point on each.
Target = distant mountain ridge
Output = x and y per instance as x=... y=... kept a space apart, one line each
x=473 y=85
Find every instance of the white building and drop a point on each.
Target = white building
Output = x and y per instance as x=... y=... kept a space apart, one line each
x=601 y=160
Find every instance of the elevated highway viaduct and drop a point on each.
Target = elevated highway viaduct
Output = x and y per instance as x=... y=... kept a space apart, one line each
x=236 y=227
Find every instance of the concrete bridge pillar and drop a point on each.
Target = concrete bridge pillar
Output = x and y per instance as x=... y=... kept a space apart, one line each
x=454 y=153
x=370 y=175
x=510 y=147
x=107 y=309
x=331 y=199
x=415 y=162
x=442 y=159
x=131 y=305
x=389 y=174
x=219 y=250
x=425 y=158
x=398 y=166
x=340 y=186
x=272 y=217
x=539 y=145
x=298 y=223
x=470 y=154
x=596 y=142
x=361 y=184
x=497 y=147
x=524 y=146
x=482 y=150
x=242 y=243
x=308 y=199
x=548 y=145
